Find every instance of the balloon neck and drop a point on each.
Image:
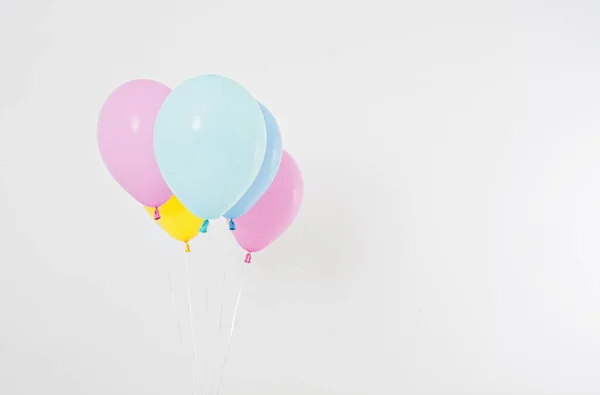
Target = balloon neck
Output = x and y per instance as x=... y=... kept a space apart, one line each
x=231 y=224
x=204 y=227
x=187 y=247
x=248 y=258
x=156 y=214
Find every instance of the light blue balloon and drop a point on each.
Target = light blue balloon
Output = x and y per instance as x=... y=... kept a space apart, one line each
x=267 y=172
x=209 y=141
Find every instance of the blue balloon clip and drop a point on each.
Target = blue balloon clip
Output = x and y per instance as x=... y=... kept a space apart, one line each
x=204 y=227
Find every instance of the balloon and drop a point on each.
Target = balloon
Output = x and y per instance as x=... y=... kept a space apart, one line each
x=125 y=130
x=177 y=221
x=274 y=212
x=267 y=172
x=209 y=141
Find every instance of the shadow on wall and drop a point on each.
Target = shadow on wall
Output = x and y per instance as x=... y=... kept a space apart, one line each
x=327 y=240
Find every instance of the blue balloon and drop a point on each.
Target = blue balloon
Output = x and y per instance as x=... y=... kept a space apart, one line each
x=267 y=172
x=209 y=141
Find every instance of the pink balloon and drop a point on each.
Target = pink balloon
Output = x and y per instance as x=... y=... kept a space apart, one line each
x=274 y=212
x=125 y=139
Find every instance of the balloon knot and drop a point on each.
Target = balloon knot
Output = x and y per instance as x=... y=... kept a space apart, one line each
x=248 y=258
x=156 y=214
x=204 y=227
x=231 y=224
x=187 y=247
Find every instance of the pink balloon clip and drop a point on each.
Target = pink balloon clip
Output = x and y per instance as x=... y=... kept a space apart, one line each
x=248 y=258
x=156 y=214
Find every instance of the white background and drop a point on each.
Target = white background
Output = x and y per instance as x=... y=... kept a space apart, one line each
x=448 y=242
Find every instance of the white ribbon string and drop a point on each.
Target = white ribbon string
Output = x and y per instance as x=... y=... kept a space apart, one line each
x=191 y=315
x=175 y=309
x=231 y=330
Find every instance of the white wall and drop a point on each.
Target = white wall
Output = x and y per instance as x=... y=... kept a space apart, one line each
x=448 y=240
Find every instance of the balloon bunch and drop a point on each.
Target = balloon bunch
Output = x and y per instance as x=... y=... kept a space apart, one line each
x=204 y=150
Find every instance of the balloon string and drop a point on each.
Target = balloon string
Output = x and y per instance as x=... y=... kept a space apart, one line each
x=206 y=340
x=222 y=297
x=235 y=311
x=191 y=315
x=207 y=315
x=175 y=309
x=223 y=280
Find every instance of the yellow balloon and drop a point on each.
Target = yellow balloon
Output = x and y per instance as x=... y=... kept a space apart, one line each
x=177 y=221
